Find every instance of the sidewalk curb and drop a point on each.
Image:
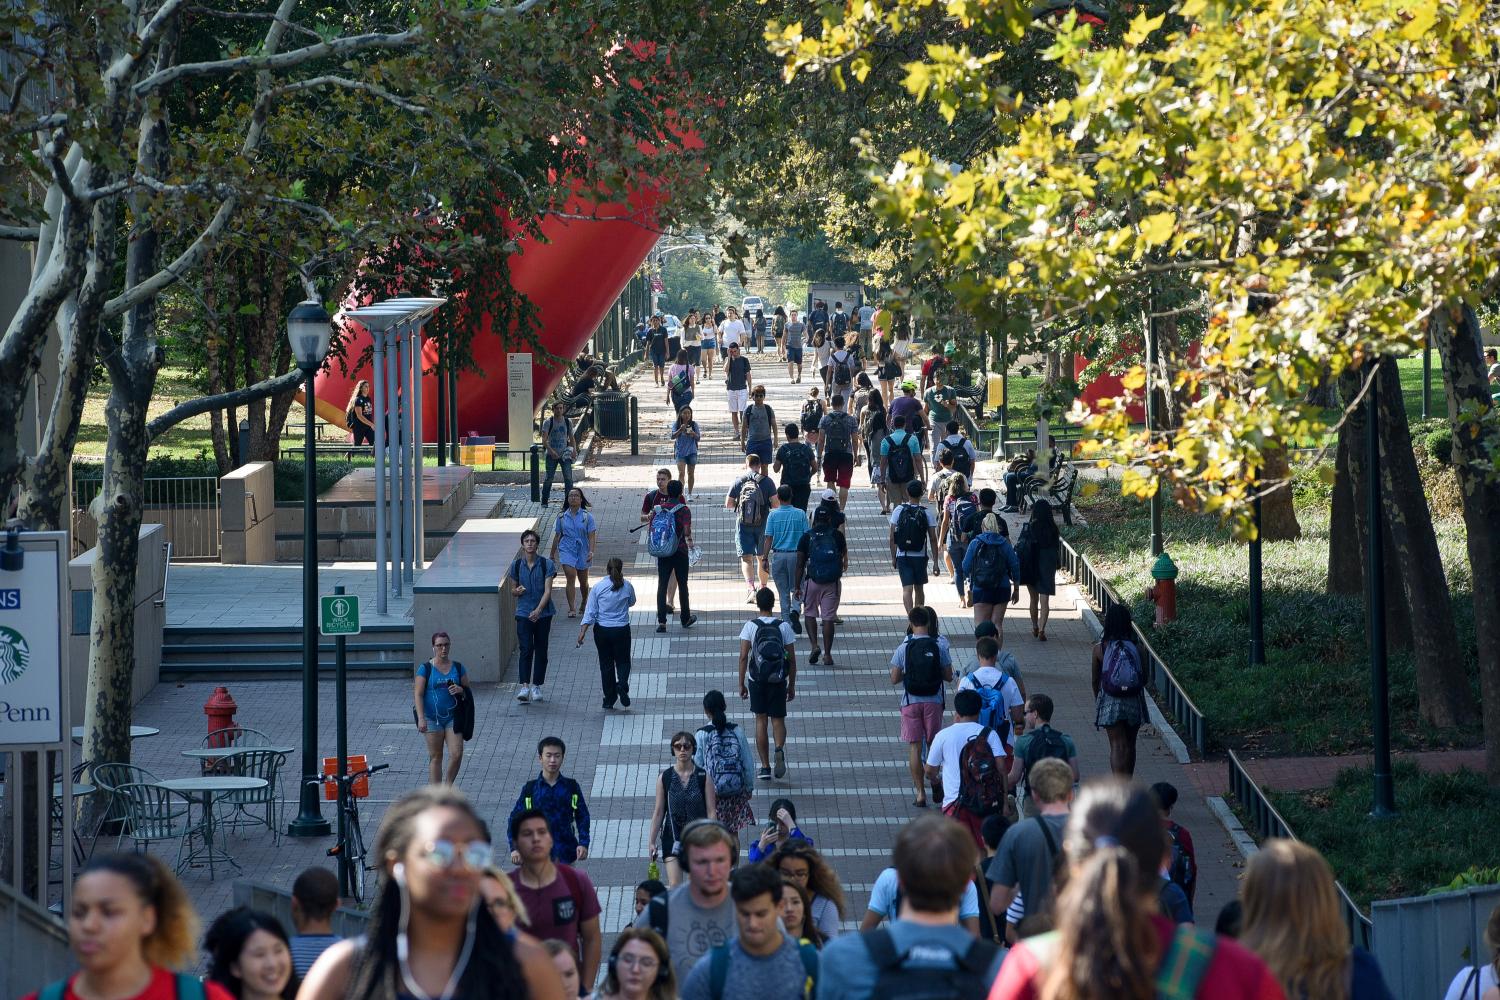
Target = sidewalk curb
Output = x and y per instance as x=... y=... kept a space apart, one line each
x=1168 y=734
x=1243 y=842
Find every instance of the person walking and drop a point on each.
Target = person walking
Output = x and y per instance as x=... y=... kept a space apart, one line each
x=685 y=437
x=573 y=538
x=939 y=403
x=670 y=536
x=1183 y=866
x=562 y=447
x=778 y=332
x=794 y=465
x=737 y=382
x=1119 y=682
x=785 y=526
x=656 y=348
x=758 y=429
x=692 y=339
x=1040 y=550
x=1000 y=692
x=749 y=497
x=682 y=381
x=822 y=342
x=811 y=417
x=440 y=683
x=845 y=364
x=967 y=760
x=838 y=440
x=315 y=895
x=866 y=319
x=732 y=329
x=912 y=535
x=762 y=960
x=709 y=340
x=1039 y=742
x=560 y=900
x=922 y=665
x=1026 y=860
x=957 y=506
x=901 y=462
x=991 y=565
x=652 y=499
x=796 y=336
x=639 y=969
x=607 y=608
x=698 y=914
x=360 y=413
x=560 y=800
x=250 y=955
x=872 y=431
x=801 y=865
x=683 y=794
x=724 y=752
x=822 y=561
x=531 y=579
x=768 y=678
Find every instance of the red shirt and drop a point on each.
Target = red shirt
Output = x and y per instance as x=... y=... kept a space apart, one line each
x=1234 y=973
x=653 y=499
x=557 y=912
x=163 y=986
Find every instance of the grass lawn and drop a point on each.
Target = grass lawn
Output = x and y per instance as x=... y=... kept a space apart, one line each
x=1410 y=853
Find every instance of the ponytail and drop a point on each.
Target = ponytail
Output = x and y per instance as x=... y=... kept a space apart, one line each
x=616 y=570
x=716 y=707
x=1106 y=943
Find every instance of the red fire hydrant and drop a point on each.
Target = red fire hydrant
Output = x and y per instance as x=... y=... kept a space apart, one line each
x=220 y=709
x=1164 y=590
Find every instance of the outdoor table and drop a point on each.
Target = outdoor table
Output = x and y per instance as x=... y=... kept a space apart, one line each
x=204 y=789
x=136 y=732
x=218 y=753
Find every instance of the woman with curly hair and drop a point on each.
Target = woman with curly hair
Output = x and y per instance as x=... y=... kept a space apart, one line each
x=800 y=864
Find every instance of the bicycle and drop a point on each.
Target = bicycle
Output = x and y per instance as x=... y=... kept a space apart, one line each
x=350 y=849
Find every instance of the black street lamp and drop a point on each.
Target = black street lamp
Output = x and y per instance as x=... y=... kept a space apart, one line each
x=307 y=328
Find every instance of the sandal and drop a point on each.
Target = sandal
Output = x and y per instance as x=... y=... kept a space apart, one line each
x=919 y=803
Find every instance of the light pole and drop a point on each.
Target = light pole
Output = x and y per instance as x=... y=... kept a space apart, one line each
x=307 y=328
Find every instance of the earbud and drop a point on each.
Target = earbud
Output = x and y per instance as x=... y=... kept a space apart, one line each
x=398 y=872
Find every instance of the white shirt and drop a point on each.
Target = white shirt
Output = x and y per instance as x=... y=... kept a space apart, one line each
x=747 y=634
x=1486 y=979
x=994 y=677
x=948 y=744
x=931 y=522
x=731 y=331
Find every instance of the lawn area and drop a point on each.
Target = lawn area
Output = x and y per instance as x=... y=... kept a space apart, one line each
x=1313 y=694
x=1406 y=855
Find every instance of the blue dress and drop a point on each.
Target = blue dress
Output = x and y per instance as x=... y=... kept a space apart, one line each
x=573 y=538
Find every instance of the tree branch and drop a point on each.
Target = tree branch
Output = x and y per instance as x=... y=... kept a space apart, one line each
x=348 y=84
x=235 y=397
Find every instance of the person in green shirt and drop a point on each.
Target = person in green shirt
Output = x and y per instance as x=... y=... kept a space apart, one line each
x=939 y=401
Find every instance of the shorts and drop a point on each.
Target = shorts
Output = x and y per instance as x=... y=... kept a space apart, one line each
x=761 y=448
x=658 y=356
x=921 y=721
x=794 y=355
x=737 y=399
x=912 y=570
x=984 y=595
x=767 y=699
x=750 y=540
x=695 y=355
x=838 y=470
x=688 y=460
x=820 y=600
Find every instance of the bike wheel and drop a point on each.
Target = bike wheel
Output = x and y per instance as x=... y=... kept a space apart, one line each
x=355 y=846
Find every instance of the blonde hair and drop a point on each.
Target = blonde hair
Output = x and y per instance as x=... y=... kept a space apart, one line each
x=958 y=485
x=174 y=942
x=512 y=898
x=1292 y=920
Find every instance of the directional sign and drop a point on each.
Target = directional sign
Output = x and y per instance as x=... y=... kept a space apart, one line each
x=340 y=614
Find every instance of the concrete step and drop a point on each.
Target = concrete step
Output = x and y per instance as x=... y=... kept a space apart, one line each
x=271 y=650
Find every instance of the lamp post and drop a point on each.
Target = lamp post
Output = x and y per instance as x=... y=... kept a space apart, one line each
x=307 y=328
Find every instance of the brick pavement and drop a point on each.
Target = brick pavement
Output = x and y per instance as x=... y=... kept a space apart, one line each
x=846 y=768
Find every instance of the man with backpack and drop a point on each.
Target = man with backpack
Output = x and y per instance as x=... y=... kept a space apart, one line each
x=1028 y=853
x=913 y=535
x=812 y=416
x=669 y=535
x=839 y=322
x=768 y=678
x=822 y=560
x=763 y=961
x=561 y=901
x=924 y=952
x=1000 y=696
x=794 y=464
x=785 y=526
x=1183 y=868
x=750 y=499
x=901 y=460
x=962 y=450
x=817 y=320
x=845 y=365
x=1039 y=742
x=968 y=760
x=838 y=441
x=922 y=664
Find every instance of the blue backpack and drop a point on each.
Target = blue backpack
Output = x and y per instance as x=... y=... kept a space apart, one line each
x=823 y=562
x=661 y=537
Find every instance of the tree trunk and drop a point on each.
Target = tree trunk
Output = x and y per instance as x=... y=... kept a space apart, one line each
x=1346 y=568
x=1443 y=698
x=1474 y=454
x=1278 y=516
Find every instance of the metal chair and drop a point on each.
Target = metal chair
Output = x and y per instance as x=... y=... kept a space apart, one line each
x=108 y=778
x=154 y=814
x=265 y=764
x=236 y=736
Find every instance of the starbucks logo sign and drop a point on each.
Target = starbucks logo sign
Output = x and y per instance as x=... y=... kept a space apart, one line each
x=15 y=654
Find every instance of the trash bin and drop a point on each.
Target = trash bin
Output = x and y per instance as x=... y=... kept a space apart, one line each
x=612 y=414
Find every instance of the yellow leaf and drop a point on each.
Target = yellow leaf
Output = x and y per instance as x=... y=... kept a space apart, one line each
x=1134 y=379
x=1157 y=229
x=1141 y=27
x=1423 y=17
x=1325 y=474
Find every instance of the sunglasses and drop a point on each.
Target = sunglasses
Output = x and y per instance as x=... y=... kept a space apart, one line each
x=446 y=854
x=682 y=746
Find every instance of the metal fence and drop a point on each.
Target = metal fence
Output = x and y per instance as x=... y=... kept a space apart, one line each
x=1267 y=822
x=1422 y=941
x=1171 y=695
x=186 y=506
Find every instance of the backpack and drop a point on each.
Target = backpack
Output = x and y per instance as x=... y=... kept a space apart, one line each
x=661 y=537
x=722 y=752
x=836 y=439
x=898 y=463
x=188 y=987
x=981 y=782
x=718 y=970
x=895 y=980
x=823 y=562
x=1179 y=973
x=992 y=708
x=796 y=465
x=752 y=504
x=1045 y=742
x=840 y=323
x=1120 y=674
x=911 y=528
x=1181 y=870
x=962 y=463
x=678 y=384
x=968 y=516
x=812 y=415
x=768 y=653
x=923 y=673
x=989 y=566
x=842 y=373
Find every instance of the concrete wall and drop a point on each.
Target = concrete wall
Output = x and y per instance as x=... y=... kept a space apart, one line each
x=247 y=515
x=193 y=531
x=150 y=620
x=461 y=593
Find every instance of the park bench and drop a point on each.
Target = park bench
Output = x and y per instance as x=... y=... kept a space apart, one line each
x=1057 y=490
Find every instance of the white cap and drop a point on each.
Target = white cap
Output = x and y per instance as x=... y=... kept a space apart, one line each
x=828 y=495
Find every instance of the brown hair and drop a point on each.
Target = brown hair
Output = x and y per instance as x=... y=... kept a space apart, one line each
x=173 y=943
x=665 y=987
x=706 y=833
x=1292 y=919
x=809 y=929
x=616 y=570
x=934 y=858
x=822 y=880
x=1050 y=782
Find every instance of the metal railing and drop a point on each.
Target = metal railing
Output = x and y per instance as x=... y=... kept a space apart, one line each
x=186 y=506
x=1171 y=694
x=1267 y=822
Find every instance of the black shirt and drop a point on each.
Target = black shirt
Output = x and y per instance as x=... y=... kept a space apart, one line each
x=736 y=372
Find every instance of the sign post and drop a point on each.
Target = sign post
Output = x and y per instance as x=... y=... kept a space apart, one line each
x=340 y=618
x=518 y=383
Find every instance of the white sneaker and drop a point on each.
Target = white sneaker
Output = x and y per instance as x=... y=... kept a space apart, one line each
x=524 y=694
x=536 y=693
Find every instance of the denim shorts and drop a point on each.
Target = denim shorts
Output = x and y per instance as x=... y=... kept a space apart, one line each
x=750 y=540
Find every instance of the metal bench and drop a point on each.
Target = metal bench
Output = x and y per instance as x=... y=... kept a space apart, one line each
x=1058 y=490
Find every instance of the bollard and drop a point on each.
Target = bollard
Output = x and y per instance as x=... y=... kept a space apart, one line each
x=635 y=427
x=536 y=474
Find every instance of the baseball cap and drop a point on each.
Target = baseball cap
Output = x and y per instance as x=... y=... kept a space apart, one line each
x=828 y=495
x=985 y=628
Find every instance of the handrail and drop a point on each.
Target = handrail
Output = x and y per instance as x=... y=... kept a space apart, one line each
x=1268 y=822
x=254 y=510
x=166 y=571
x=1101 y=595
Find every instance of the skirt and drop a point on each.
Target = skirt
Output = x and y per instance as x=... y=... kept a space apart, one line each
x=734 y=811
x=1112 y=711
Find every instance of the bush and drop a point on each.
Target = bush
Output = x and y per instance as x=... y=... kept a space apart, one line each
x=288 y=473
x=1439 y=444
x=289 y=476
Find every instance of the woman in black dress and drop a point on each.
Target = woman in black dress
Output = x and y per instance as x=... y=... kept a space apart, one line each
x=1039 y=550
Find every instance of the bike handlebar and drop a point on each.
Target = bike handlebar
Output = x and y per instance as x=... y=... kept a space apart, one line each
x=346 y=779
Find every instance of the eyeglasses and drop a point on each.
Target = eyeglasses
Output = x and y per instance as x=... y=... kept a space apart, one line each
x=445 y=854
x=645 y=963
x=682 y=746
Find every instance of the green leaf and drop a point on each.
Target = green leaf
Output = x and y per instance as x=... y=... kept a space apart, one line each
x=248 y=309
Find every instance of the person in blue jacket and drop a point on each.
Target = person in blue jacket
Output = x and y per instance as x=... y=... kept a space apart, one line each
x=991 y=566
x=560 y=799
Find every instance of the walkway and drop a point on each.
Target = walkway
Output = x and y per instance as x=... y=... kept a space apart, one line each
x=847 y=771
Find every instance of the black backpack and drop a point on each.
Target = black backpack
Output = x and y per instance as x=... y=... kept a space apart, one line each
x=911 y=528
x=898 y=462
x=923 y=674
x=812 y=415
x=1045 y=742
x=767 y=653
x=840 y=323
x=796 y=464
x=962 y=463
x=989 y=566
x=843 y=374
x=837 y=439
x=896 y=980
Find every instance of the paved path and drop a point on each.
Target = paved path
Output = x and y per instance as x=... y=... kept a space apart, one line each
x=846 y=769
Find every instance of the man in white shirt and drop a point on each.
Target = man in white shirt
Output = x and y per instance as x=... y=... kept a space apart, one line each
x=733 y=329
x=944 y=759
